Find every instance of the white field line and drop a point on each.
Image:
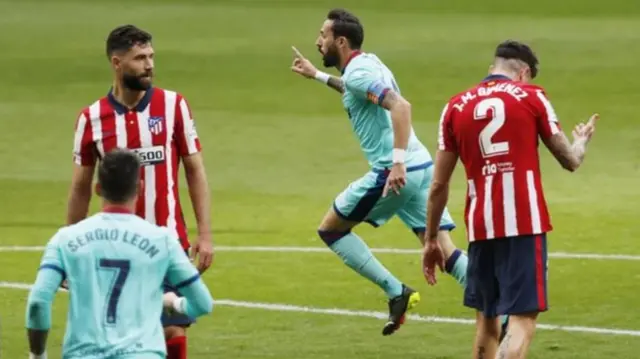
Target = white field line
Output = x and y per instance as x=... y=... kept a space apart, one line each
x=557 y=255
x=377 y=315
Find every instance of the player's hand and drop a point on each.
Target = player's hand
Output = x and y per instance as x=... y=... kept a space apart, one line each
x=432 y=256
x=167 y=303
x=302 y=66
x=583 y=132
x=168 y=299
x=64 y=284
x=396 y=180
x=203 y=250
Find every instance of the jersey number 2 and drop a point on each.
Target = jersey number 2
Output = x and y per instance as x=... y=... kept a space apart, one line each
x=490 y=149
x=121 y=267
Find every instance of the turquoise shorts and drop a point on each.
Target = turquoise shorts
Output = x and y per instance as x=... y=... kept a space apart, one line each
x=362 y=200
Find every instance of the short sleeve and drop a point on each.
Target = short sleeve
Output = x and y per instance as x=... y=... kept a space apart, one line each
x=181 y=271
x=548 y=124
x=84 y=153
x=366 y=84
x=185 y=133
x=446 y=138
x=52 y=258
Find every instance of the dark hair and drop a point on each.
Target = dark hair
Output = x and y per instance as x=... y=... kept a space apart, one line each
x=511 y=49
x=118 y=175
x=124 y=37
x=346 y=24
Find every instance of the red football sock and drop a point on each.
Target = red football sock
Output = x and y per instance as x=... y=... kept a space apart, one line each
x=177 y=348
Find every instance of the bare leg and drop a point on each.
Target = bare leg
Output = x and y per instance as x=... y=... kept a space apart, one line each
x=487 y=334
x=515 y=344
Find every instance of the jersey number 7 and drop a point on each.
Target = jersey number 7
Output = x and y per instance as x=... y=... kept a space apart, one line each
x=121 y=267
x=481 y=112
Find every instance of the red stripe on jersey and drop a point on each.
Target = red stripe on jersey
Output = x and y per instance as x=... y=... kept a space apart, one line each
x=522 y=203
x=545 y=221
x=159 y=138
x=87 y=148
x=181 y=225
x=497 y=205
x=540 y=274
x=108 y=122
x=133 y=142
x=478 y=218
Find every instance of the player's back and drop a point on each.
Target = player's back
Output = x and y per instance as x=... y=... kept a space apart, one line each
x=366 y=79
x=496 y=127
x=115 y=264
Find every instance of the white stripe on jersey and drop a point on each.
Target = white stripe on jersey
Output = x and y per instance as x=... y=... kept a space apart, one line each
x=96 y=126
x=149 y=171
x=488 y=206
x=121 y=131
x=441 y=128
x=533 y=203
x=187 y=124
x=169 y=111
x=77 y=140
x=509 y=205
x=551 y=113
x=472 y=209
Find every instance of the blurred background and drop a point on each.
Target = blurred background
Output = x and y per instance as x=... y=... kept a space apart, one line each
x=279 y=148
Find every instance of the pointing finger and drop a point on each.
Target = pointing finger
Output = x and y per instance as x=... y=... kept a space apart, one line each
x=297 y=53
x=593 y=119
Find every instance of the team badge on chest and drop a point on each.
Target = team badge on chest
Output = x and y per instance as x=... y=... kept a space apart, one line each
x=155 y=124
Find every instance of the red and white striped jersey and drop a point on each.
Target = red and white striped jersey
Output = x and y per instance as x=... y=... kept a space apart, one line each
x=494 y=128
x=161 y=130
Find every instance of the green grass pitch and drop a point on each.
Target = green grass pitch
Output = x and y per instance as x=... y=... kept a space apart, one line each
x=279 y=148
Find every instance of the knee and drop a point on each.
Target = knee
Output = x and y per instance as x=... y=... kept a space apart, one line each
x=330 y=237
x=490 y=327
x=171 y=332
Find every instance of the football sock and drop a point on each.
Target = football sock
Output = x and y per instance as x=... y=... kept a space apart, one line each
x=177 y=348
x=357 y=255
x=456 y=266
x=504 y=319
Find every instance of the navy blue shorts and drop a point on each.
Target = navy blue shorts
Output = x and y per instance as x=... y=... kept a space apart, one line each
x=179 y=320
x=507 y=276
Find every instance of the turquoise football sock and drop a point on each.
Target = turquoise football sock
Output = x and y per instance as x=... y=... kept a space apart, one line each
x=456 y=266
x=504 y=319
x=357 y=255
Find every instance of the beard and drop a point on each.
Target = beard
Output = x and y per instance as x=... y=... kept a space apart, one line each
x=331 y=58
x=137 y=82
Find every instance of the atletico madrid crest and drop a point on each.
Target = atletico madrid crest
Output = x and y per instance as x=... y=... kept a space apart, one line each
x=155 y=124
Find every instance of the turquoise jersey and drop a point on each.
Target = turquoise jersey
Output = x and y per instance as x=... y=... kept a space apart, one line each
x=115 y=264
x=367 y=80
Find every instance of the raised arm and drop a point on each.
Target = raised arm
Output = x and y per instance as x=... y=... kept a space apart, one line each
x=569 y=155
x=301 y=65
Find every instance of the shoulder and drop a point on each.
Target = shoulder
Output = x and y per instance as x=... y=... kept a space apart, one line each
x=360 y=66
x=533 y=90
x=93 y=111
x=168 y=95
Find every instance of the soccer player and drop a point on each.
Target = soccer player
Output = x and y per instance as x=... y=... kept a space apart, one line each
x=157 y=124
x=400 y=165
x=116 y=263
x=494 y=129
